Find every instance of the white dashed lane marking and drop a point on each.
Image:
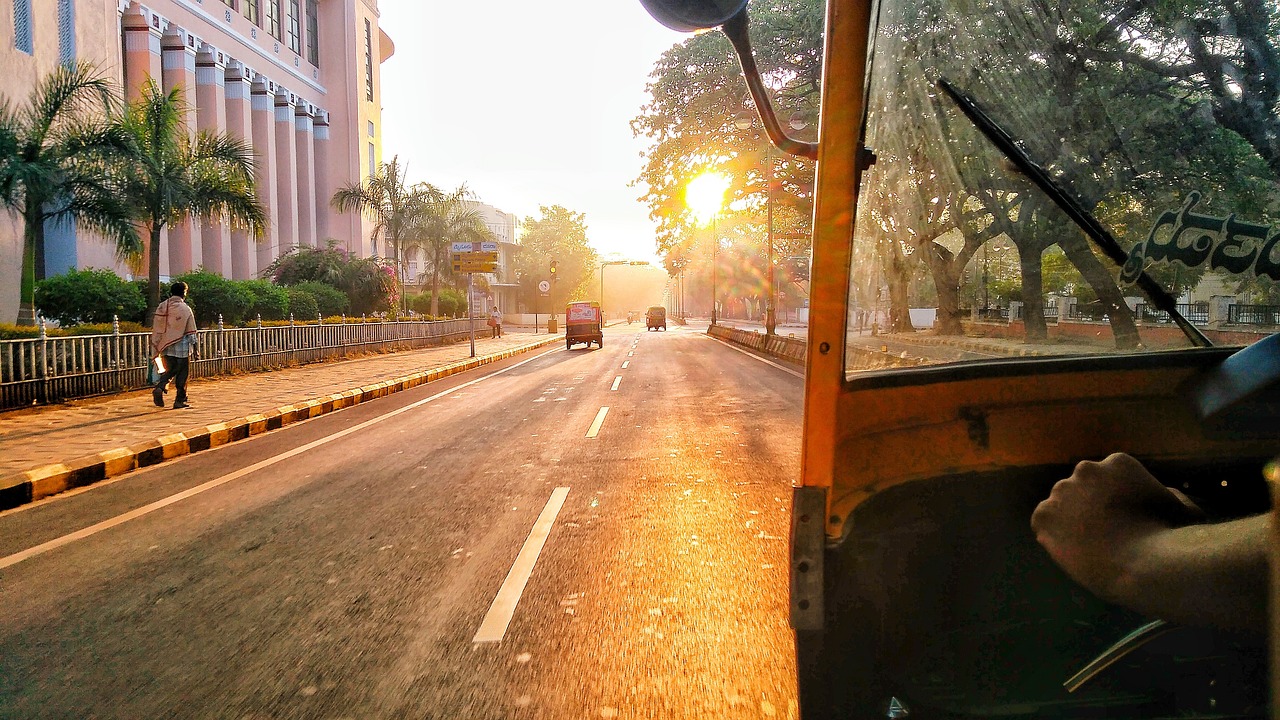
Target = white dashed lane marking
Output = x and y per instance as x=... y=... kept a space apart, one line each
x=595 y=426
x=616 y=382
x=494 y=626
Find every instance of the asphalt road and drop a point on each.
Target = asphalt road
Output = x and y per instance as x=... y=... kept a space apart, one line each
x=461 y=550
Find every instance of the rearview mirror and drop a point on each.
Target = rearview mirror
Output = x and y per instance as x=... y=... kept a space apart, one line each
x=693 y=15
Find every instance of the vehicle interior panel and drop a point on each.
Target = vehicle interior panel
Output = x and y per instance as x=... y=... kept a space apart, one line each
x=942 y=585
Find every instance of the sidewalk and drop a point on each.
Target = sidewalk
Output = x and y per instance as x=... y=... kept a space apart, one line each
x=45 y=450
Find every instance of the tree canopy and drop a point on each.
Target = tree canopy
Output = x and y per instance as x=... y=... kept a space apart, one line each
x=558 y=235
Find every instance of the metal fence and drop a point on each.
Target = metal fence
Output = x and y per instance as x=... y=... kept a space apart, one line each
x=1197 y=313
x=51 y=369
x=1268 y=315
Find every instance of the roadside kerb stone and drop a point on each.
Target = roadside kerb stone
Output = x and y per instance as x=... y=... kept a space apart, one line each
x=51 y=479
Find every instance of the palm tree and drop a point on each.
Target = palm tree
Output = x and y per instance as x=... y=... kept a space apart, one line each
x=439 y=219
x=54 y=157
x=170 y=177
x=386 y=199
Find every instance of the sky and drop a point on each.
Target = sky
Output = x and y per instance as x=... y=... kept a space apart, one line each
x=528 y=103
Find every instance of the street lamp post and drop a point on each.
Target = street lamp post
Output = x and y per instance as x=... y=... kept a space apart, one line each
x=602 y=267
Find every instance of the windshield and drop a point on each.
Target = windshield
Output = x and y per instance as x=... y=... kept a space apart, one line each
x=1159 y=119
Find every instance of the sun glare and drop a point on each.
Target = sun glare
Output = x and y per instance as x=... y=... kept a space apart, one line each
x=705 y=195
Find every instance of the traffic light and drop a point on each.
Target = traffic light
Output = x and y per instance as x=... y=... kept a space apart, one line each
x=554 y=277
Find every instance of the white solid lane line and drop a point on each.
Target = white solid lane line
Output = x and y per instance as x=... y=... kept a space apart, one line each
x=494 y=626
x=595 y=426
x=616 y=382
x=191 y=492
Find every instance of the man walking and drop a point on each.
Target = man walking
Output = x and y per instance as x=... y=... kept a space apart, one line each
x=173 y=339
x=495 y=322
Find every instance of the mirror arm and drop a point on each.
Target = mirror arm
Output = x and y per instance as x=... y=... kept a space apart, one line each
x=736 y=30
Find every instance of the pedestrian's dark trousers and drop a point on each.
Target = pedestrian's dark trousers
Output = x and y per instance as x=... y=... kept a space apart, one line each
x=176 y=369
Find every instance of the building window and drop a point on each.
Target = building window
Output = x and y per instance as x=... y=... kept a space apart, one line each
x=373 y=161
x=295 y=27
x=371 y=133
x=22 y=26
x=273 y=18
x=313 y=33
x=66 y=32
x=252 y=11
x=230 y=3
x=368 y=61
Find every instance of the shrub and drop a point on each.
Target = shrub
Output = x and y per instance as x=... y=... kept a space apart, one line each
x=453 y=303
x=89 y=296
x=210 y=295
x=23 y=332
x=269 y=300
x=302 y=305
x=329 y=299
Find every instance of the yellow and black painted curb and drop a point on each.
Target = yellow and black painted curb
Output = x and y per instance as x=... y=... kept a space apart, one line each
x=41 y=482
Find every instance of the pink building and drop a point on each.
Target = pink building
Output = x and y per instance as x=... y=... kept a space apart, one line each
x=299 y=79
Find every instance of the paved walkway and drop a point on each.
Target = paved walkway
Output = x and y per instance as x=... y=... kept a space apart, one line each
x=40 y=436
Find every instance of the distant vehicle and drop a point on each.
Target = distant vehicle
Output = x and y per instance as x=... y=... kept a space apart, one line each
x=655 y=318
x=582 y=324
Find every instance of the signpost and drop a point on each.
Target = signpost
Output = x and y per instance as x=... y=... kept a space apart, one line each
x=471 y=258
x=544 y=289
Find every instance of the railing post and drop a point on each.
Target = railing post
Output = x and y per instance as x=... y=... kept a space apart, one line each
x=293 y=341
x=116 y=369
x=42 y=370
x=222 y=346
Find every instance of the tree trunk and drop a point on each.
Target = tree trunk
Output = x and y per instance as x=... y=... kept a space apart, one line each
x=946 y=283
x=1032 y=295
x=1122 y=325
x=898 y=278
x=32 y=266
x=153 y=270
x=435 y=280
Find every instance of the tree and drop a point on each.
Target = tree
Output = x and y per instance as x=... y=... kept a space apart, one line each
x=54 y=154
x=169 y=176
x=386 y=199
x=696 y=91
x=437 y=219
x=558 y=235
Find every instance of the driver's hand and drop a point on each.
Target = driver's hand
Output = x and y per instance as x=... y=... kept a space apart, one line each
x=1096 y=523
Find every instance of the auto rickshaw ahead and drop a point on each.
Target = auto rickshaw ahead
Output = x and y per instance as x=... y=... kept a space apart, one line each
x=582 y=324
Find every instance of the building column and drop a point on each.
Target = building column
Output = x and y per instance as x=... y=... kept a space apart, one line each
x=141 y=51
x=142 y=63
x=324 y=188
x=179 y=60
x=304 y=138
x=263 y=103
x=239 y=112
x=286 y=170
x=211 y=117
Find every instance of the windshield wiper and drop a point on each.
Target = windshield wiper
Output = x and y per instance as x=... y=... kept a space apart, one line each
x=1072 y=207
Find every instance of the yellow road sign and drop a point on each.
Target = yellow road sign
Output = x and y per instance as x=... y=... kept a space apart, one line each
x=475 y=257
x=475 y=267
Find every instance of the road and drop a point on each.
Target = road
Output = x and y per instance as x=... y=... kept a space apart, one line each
x=460 y=550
